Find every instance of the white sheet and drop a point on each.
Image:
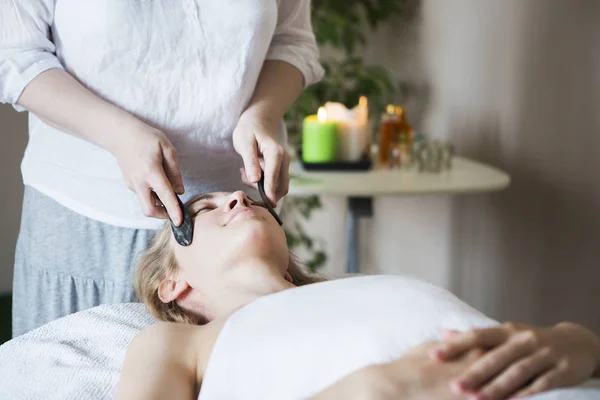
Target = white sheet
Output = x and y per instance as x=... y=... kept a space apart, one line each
x=75 y=357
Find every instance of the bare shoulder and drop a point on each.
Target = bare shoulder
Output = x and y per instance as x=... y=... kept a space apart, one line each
x=167 y=340
x=164 y=356
x=166 y=331
x=190 y=344
x=166 y=337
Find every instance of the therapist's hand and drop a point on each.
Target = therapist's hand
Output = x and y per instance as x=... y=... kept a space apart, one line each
x=522 y=360
x=146 y=157
x=255 y=140
x=149 y=163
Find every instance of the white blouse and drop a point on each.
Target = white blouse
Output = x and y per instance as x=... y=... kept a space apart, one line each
x=188 y=67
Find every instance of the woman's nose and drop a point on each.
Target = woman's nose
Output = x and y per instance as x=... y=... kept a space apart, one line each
x=237 y=199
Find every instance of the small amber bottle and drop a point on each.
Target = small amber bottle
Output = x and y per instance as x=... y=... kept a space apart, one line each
x=405 y=131
x=388 y=133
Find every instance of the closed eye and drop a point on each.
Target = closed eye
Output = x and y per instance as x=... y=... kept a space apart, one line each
x=207 y=207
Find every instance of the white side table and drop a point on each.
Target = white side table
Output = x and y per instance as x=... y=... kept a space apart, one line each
x=359 y=188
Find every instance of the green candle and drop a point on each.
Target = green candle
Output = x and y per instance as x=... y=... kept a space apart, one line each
x=319 y=138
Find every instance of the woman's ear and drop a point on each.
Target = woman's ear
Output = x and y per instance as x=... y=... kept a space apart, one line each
x=288 y=277
x=170 y=289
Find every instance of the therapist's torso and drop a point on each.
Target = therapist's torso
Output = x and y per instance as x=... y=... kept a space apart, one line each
x=186 y=67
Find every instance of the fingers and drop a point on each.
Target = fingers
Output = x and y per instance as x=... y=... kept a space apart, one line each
x=458 y=344
x=492 y=365
x=163 y=189
x=472 y=355
x=517 y=375
x=448 y=333
x=251 y=163
x=283 y=185
x=171 y=167
x=256 y=142
x=148 y=203
x=245 y=179
x=151 y=170
x=273 y=156
x=552 y=379
x=283 y=177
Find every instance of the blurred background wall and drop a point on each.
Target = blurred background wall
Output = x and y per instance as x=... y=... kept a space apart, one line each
x=517 y=84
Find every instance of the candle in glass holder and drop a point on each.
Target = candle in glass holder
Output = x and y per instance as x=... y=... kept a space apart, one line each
x=319 y=138
x=354 y=139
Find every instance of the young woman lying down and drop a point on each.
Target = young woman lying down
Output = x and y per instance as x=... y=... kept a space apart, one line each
x=243 y=321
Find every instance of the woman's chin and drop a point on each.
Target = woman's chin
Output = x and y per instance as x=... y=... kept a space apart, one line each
x=262 y=235
x=256 y=231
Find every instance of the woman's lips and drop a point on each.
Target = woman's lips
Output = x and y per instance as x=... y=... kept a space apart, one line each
x=240 y=211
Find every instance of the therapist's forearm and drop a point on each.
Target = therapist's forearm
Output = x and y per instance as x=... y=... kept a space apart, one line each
x=61 y=101
x=278 y=87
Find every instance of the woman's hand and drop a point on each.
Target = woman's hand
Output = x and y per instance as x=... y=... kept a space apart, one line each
x=150 y=167
x=414 y=376
x=146 y=157
x=254 y=140
x=522 y=360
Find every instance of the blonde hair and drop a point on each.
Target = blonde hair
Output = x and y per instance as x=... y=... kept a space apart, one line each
x=159 y=263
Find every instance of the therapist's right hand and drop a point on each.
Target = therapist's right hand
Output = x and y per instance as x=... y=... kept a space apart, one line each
x=149 y=163
x=146 y=157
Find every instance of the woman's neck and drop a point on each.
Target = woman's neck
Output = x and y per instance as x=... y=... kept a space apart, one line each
x=248 y=281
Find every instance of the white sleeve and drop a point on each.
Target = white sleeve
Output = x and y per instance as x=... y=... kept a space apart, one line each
x=294 y=41
x=25 y=46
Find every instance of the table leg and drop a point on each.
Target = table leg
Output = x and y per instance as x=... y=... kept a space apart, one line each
x=357 y=207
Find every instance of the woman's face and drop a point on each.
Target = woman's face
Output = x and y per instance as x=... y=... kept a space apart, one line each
x=231 y=231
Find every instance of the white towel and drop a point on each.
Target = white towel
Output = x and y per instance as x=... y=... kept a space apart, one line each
x=293 y=344
x=75 y=357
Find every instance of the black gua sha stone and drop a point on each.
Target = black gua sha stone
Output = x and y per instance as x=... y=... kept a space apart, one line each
x=183 y=233
x=261 y=191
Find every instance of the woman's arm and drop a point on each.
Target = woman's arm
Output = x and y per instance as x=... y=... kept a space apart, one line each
x=59 y=99
x=413 y=376
x=291 y=64
x=161 y=363
x=279 y=84
x=32 y=78
x=145 y=155
x=522 y=360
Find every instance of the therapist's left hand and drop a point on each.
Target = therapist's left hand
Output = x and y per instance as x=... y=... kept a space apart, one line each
x=522 y=360
x=255 y=140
